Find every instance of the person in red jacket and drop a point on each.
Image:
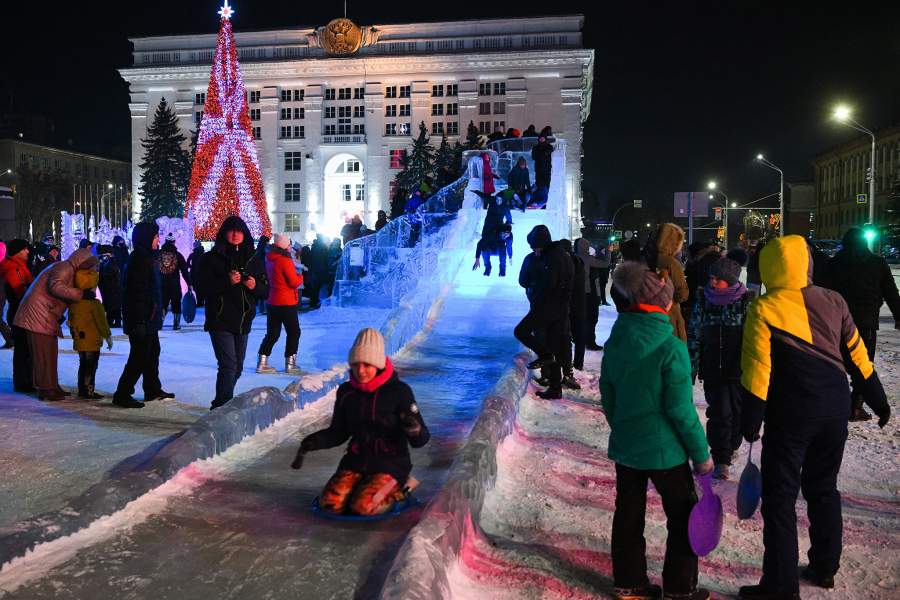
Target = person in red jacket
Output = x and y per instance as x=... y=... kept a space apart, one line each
x=378 y=413
x=283 y=302
x=16 y=279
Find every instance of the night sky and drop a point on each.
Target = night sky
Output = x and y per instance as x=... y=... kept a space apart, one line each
x=683 y=91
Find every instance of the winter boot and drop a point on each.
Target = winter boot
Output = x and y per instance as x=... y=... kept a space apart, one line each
x=758 y=592
x=290 y=365
x=263 y=366
x=160 y=395
x=177 y=324
x=698 y=594
x=569 y=382
x=649 y=592
x=542 y=361
x=817 y=578
x=858 y=413
x=542 y=381
x=551 y=393
x=126 y=402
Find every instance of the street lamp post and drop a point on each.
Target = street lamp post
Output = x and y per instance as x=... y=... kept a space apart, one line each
x=842 y=115
x=764 y=161
x=712 y=186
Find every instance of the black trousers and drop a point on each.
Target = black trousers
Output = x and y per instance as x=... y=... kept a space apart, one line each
x=276 y=318
x=87 y=372
x=801 y=456
x=676 y=487
x=591 y=316
x=172 y=295
x=723 y=414
x=143 y=360
x=603 y=280
x=22 y=376
x=869 y=338
x=578 y=330
x=547 y=337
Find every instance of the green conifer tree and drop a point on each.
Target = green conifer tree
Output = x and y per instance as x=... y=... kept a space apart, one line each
x=418 y=165
x=165 y=168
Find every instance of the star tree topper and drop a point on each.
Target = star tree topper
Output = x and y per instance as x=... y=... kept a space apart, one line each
x=226 y=11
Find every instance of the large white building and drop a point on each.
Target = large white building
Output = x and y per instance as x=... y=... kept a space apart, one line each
x=334 y=107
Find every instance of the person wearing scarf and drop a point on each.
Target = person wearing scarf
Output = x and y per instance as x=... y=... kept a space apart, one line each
x=715 y=336
x=378 y=414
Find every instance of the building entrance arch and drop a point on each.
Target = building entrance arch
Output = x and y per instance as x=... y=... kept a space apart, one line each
x=345 y=191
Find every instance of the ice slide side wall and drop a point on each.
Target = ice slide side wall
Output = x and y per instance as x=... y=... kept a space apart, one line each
x=420 y=570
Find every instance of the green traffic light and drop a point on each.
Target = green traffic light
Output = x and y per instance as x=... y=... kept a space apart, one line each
x=870 y=233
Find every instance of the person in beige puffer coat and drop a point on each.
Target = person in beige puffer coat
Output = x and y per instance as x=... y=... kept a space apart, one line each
x=41 y=313
x=661 y=253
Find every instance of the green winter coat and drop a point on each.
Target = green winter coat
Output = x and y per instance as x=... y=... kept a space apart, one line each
x=645 y=388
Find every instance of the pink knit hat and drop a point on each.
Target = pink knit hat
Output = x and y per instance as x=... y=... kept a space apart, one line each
x=282 y=241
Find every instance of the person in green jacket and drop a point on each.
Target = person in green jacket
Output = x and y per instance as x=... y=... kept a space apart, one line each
x=646 y=392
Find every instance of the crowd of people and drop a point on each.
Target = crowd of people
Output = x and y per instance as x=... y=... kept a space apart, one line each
x=781 y=358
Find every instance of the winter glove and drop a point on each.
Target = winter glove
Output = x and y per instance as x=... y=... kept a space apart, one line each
x=88 y=295
x=752 y=414
x=873 y=395
x=896 y=324
x=884 y=416
x=109 y=343
x=298 y=460
x=410 y=425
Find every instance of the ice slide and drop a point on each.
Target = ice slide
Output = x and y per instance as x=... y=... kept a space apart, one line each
x=238 y=525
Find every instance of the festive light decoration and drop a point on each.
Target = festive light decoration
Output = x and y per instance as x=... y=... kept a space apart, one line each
x=225 y=179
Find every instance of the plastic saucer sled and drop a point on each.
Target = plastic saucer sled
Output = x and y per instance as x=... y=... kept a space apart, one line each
x=189 y=307
x=749 y=488
x=398 y=509
x=705 y=524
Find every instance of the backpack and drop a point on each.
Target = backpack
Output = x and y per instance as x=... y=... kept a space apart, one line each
x=168 y=263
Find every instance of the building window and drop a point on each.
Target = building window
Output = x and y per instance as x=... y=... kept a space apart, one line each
x=403 y=129
x=299 y=113
x=292 y=192
x=286 y=132
x=398 y=158
x=405 y=90
x=254 y=114
x=437 y=128
x=344 y=129
x=329 y=129
x=329 y=93
x=254 y=96
x=285 y=95
x=390 y=91
x=291 y=222
x=257 y=133
x=500 y=126
x=359 y=130
x=500 y=89
x=353 y=166
x=437 y=90
x=499 y=108
x=299 y=131
x=360 y=192
x=453 y=89
x=390 y=110
x=299 y=95
x=390 y=129
x=453 y=128
x=359 y=93
x=404 y=110
x=344 y=94
x=359 y=112
x=344 y=112
x=484 y=127
x=452 y=109
x=484 y=89
x=198 y=116
x=329 y=112
x=484 y=108
x=293 y=161
x=437 y=110
x=286 y=114
x=200 y=98
x=346 y=192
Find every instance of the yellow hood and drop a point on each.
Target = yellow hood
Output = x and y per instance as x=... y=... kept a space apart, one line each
x=86 y=279
x=785 y=263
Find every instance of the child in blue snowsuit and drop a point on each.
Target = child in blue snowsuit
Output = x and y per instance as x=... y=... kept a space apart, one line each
x=499 y=242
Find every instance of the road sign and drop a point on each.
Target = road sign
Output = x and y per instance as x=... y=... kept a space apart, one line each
x=718 y=210
x=862 y=198
x=638 y=203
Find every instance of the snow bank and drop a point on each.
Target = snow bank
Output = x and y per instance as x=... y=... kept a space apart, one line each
x=420 y=569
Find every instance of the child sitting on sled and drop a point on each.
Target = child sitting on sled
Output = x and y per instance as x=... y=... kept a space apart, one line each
x=378 y=414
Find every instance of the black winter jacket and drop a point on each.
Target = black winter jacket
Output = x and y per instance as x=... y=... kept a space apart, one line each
x=230 y=307
x=142 y=292
x=557 y=283
x=866 y=282
x=578 y=301
x=371 y=421
x=171 y=265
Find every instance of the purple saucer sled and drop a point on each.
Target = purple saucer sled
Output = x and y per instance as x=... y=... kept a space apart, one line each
x=705 y=524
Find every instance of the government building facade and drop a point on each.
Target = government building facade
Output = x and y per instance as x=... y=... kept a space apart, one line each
x=335 y=108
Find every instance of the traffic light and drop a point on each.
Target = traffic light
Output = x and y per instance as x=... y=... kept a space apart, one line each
x=870 y=232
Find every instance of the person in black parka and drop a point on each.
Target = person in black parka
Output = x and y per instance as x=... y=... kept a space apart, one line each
x=232 y=278
x=865 y=281
x=172 y=267
x=378 y=414
x=111 y=285
x=194 y=259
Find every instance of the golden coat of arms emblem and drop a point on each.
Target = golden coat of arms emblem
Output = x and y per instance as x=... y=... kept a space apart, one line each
x=341 y=37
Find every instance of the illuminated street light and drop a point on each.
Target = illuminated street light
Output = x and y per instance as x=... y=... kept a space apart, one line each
x=842 y=114
x=766 y=162
x=711 y=185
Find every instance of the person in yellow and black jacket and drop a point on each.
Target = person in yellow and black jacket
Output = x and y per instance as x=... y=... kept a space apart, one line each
x=799 y=342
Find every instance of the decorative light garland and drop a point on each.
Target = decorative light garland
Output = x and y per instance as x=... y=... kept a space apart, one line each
x=225 y=179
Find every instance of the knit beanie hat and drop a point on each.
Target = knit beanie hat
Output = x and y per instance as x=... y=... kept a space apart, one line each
x=727 y=270
x=282 y=241
x=738 y=255
x=15 y=246
x=643 y=286
x=368 y=348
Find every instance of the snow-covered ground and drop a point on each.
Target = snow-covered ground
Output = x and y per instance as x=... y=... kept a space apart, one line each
x=548 y=537
x=53 y=451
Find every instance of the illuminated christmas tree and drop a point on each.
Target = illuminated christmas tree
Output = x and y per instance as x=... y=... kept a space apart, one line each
x=225 y=179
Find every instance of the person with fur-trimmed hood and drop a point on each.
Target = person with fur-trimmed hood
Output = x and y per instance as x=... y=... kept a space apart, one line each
x=232 y=278
x=799 y=341
x=378 y=413
x=661 y=252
